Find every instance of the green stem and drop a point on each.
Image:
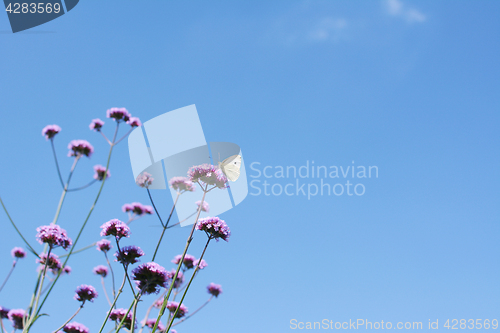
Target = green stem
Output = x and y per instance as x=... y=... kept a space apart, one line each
x=125 y=318
x=166 y=225
x=57 y=163
x=82 y=187
x=134 y=312
x=112 y=273
x=192 y=314
x=149 y=311
x=8 y=275
x=65 y=190
x=114 y=302
x=19 y=232
x=105 y=292
x=67 y=321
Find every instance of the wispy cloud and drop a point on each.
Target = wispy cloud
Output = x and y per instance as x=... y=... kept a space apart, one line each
x=328 y=29
x=396 y=8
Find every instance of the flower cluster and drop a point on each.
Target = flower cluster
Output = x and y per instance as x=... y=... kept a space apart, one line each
x=52 y=263
x=208 y=174
x=151 y=323
x=80 y=147
x=172 y=307
x=137 y=208
x=202 y=265
x=53 y=235
x=75 y=327
x=100 y=171
x=178 y=280
x=129 y=254
x=16 y=316
x=205 y=207
x=115 y=228
x=104 y=245
x=101 y=270
x=214 y=227
x=50 y=131
x=4 y=313
x=85 y=293
x=144 y=180
x=182 y=184
x=65 y=270
x=188 y=260
x=150 y=277
x=117 y=315
x=96 y=125
x=134 y=122
x=118 y=114
x=214 y=289
x=18 y=252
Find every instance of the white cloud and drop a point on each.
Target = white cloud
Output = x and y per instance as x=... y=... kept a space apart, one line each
x=409 y=14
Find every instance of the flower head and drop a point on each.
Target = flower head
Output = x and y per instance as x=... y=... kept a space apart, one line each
x=115 y=228
x=118 y=114
x=188 y=260
x=52 y=263
x=205 y=207
x=214 y=227
x=100 y=171
x=104 y=245
x=118 y=315
x=182 y=184
x=202 y=265
x=53 y=235
x=129 y=254
x=134 y=122
x=208 y=174
x=80 y=147
x=4 y=313
x=18 y=252
x=50 y=131
x=65 y=270
x=101 y=270
x=172 y=307
x=75 y=327
x=178 y=280
x=96 y=125
x=16 y=316
x=85 y=293
x=137 y=208
x=214 y=289
x=151 y=323
x=144 y=180
x=150 y=277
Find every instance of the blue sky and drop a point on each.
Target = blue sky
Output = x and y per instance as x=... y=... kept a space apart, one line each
x=408 y=86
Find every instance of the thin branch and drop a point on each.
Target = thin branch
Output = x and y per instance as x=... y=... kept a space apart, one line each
x=19 y=232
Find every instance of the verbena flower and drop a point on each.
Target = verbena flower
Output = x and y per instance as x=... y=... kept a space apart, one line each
x=214 y=289
x=100 y=171
x=96 y=125
x=52 y=263
x=85 y=293
x=53 y=235
x=203 y=263
x=75 y=327
x=80 y=147
x=129 y=254
x=117 y=315
x=137 y=208
x=118 y=114
x=134 y=122
x=208 y=174
x=182 y=184
x=115 y=228
x=104 y=245
x=101 y=270
x=65 y=270
x=179 y=280
x=18 y=252
x=172 y=307
x=205 y=207
x=188 y=260
x=4 y=313
x=50 y=131
x=215 y=227
x=144 y=180
x=150 y=277
x=151 y=323
x=16 y=316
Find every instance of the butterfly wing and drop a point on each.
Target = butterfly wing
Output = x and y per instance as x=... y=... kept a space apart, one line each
x=231 y=167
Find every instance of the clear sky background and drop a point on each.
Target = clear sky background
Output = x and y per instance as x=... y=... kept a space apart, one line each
x=411 y=87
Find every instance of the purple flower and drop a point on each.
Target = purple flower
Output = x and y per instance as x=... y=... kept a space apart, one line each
x=96 y=125
x=75 y=327
x=118 y=315
x=53 y=235
x=151 y=323
x=137 y=208
x=18 y=252
x=188 y=260
x=179 y=280
x=172 y=307
x=144 y=180
x=150 y=277
x=214 y=289
x=203 y=263
x=118 y=114
x=129 y=254
x=208 y=174
x=101 y=270
x=16 y=316
x=4 y=313
x=115 y=228
x=80 y=147
x=65 y=270
x=104 y=245
x=134 y=122
x=52 y=263
x=100 y=171
x=205 y=207
x=214 y=227
x=182 y=184
x=50 y=131
x=85 y=293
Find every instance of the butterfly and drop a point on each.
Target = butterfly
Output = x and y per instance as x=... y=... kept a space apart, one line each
x=231 y=167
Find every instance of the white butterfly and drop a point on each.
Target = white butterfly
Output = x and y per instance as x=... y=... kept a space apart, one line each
x=231 y=167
